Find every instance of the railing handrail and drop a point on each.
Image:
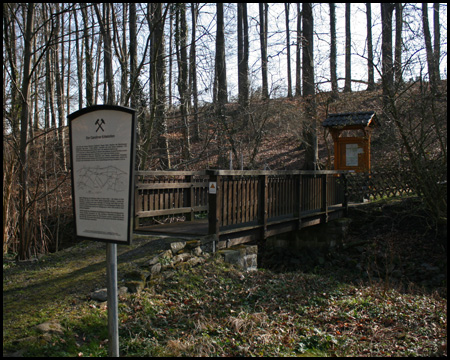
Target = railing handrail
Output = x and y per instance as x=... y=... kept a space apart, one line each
x=273 y=172
x=237 y=172
x=170 y=172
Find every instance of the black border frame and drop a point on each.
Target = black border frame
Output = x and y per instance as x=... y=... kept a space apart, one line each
x=73 y=116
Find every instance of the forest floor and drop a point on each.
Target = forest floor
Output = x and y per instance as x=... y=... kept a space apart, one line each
x=385 y=294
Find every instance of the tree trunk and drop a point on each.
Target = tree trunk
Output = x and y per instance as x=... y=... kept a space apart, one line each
x=220 y=91
x=398 y=44
x=121 y=49
x=220 y=95
x=310 y=131
x=193 y=70
x=24 y=233
x=181 y=52
x=243 y=55
x=437 y=40
x=288 y=48
x=430 y=56
x=348 y=57
x=298 y=64
x=133 y=54
x=88 y=58
x=333 y=75
x=386 y=51
x=159 y=85
x=79 y=62
x=105 y=29
x=9 y=36
x=59 y=79
x=263 y=9
x=370 y=69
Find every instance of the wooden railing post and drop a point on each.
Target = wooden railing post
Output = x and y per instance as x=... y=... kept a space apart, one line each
x=298 y=205
x=137 y=204
x=190 y=198
x=214 y=204
x=324 y=196
x=263 y=204
x=346 y=195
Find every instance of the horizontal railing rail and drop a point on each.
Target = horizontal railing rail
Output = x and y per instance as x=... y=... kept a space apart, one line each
x=168 y=193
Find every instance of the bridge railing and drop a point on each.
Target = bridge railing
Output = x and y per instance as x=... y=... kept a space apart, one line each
x=256 y=199
x=160 y=194
x=248 y=199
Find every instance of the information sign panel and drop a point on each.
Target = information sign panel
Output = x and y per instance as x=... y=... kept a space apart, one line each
x=102 y=143
x=352 y=152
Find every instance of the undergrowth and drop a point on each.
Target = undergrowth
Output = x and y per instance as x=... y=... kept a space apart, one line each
x=217 y=310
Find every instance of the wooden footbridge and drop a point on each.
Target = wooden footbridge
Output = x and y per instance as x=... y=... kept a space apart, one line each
x=237 y=206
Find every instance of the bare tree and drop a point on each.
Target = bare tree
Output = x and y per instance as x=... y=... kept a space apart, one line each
x=298 y=65
x=88 y=57
x=59 y=71
x=78 y=52
x=348 y=55
x=220 y=82
x=333 y=76
x=181 y=53
x=430 y=55
x=24 y=224
x=370 y=67
x=133 y=53
x=263 y=10
x=437 y=40
x=243 y=55
x=310 y=131
x=105 y=29
x=158 y=75
x=398 y=43
x=288 y=48
x=193 y=70
x=386 y=50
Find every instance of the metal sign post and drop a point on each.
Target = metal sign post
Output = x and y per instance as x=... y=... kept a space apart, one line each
x=113 y=304
x=102 y=150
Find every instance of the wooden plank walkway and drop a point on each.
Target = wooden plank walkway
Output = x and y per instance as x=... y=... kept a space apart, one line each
x=244 y=206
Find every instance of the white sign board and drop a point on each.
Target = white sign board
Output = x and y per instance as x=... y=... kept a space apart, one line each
x=351 y=154
x=102 y=143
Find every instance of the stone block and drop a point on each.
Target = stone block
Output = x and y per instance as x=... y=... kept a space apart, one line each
x=243 y=256
x=249 y=262
x=230 y=256
x=177 y=246
x=181 y=258
x=135 y=286
x=52 y=327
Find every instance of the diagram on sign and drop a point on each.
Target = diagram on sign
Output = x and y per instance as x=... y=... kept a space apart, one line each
x=101 y=179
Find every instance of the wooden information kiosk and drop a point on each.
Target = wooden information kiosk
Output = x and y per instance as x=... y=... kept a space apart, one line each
x=351 y=152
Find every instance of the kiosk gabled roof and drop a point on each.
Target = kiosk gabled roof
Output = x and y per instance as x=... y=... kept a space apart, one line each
x=362 y=118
